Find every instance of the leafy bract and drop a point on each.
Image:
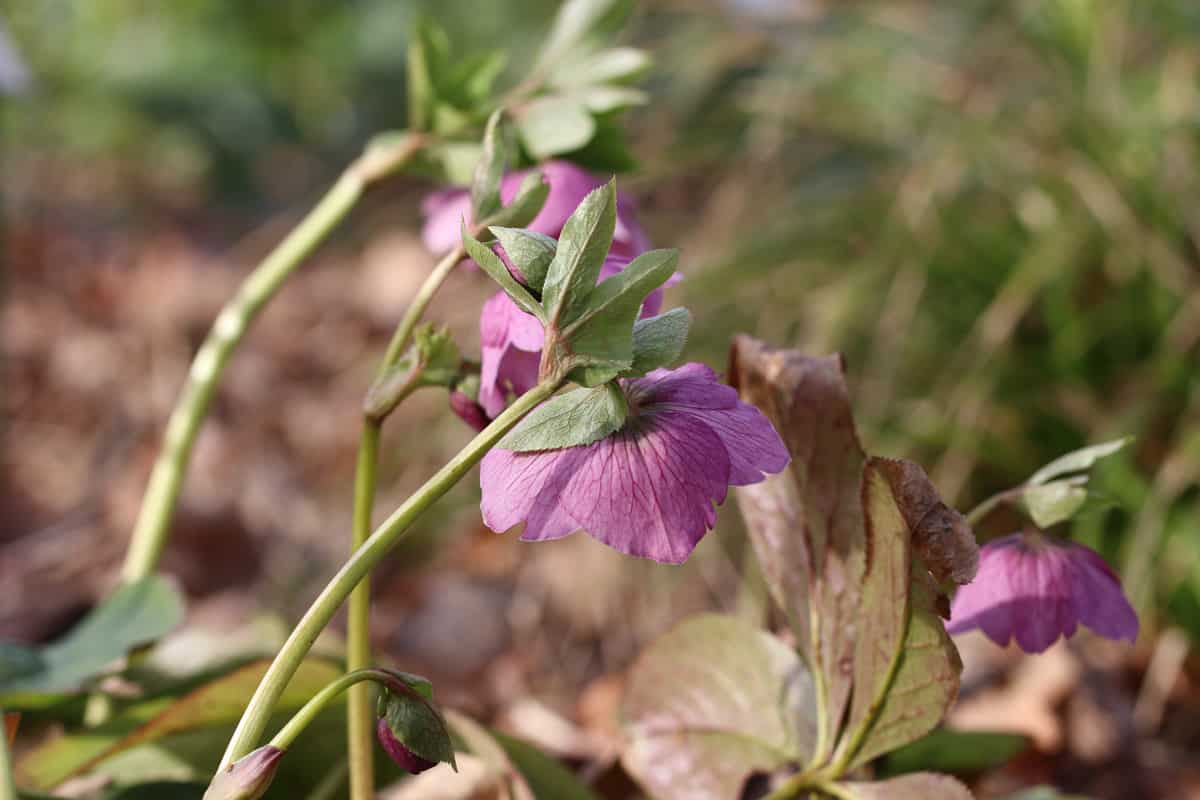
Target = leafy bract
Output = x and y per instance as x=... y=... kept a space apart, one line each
x=600 y=332
x=575 y=418
x=485 y=188
x=494 y=267
x=659 y=341
x=526 y=204
x=406 y=704
x=529 y=251
x=1077 y=461
x=711 y=702
x=136 y=614
x=582 y=247
x=577 y=23
x=948 y=750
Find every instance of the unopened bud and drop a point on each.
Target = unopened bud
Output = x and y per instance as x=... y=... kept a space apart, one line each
x=405 y=759
x=468 y=410
x=247 y=778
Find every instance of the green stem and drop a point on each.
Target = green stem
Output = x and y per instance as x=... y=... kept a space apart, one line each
x=359 y=718
x=150 y=531
x=292 y=654
x=977 y=514
x=8 y=788
x=316 y=704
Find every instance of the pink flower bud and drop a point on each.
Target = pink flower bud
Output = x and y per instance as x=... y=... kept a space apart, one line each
x=247 y=778
x=405 y=759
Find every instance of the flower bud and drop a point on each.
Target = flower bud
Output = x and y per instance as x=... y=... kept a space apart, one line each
x=405 y=759
x=248 y=777
x=468 y=410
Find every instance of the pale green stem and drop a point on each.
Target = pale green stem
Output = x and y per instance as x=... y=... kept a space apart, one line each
x=8 y=788
x=291 y=655
x=977 y=514
x=359 y=716
x=166 y=479
x=316 y=704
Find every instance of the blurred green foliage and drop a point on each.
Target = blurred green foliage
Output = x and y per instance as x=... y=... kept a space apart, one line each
x=992 y=207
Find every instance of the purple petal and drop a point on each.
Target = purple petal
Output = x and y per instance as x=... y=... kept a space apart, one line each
x=503 y=370
x=753 y=446
x=693 y=385
x=1099 y=601
x=647 y=492
x=502 y=323
x=521 y=487
x=1041 y=583
x=444 y=212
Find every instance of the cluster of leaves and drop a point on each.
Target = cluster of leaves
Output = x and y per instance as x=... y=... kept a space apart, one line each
x=566 y=106
x=856 y=551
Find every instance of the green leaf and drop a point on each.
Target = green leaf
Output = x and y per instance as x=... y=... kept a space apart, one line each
x=575 y=418
x=582 y=247
x=925 y=683
x=1054 y=502
x=415 y=721
x=547 y=778
x=217 y=702
x=659 y=341
x=136 y=614
x=711 y=702
x=485 y=188
x=959 y=752
x=553 y=125
x=1077 y=461
x=494 y=267
x=917 y=786
x=526 y=204
x=615 y=65
x=600 y=332
x=806 y=523
x=577 y=22
x=531 y=252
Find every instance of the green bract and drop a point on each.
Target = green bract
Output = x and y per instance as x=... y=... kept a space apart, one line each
x=407 y=705
x=582 y=247
x=531 y=252
x=659 y=341
x=576 y=418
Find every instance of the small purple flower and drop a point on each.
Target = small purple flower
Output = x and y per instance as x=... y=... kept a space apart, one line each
x=248 y=778
x=1033 y=589
x=405 y=758
x=510 y=341
x=444 y=210
x=647 y=490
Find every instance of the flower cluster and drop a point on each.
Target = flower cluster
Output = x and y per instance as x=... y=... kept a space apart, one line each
x=510 y=339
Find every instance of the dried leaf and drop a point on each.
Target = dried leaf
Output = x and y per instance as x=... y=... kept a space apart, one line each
x=711 y=702
x=917 y=786
x=941 y=536
x=806 y=523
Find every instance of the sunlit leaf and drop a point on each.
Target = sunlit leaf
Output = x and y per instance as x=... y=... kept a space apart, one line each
x=553 y=125
x=1077 y=461
x=575 y=418
x=711 y=702
x=136 y=614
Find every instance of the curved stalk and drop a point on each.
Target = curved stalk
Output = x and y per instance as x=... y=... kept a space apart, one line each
x=290 y=656
x=316 y=704
x=381 y=158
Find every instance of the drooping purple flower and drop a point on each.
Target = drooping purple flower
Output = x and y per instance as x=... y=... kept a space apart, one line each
x=405 y=758
x=444 y=210
x=649 y=489
x=510 y=341
x=1034 y=589
x=468 y=410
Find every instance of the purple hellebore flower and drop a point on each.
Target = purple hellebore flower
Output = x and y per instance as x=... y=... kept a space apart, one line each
x=444 y=210
x=405 y=758
x=647 y=490
x=1033 y=589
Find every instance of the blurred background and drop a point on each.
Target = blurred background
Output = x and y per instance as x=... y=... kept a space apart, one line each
x=991 y=207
